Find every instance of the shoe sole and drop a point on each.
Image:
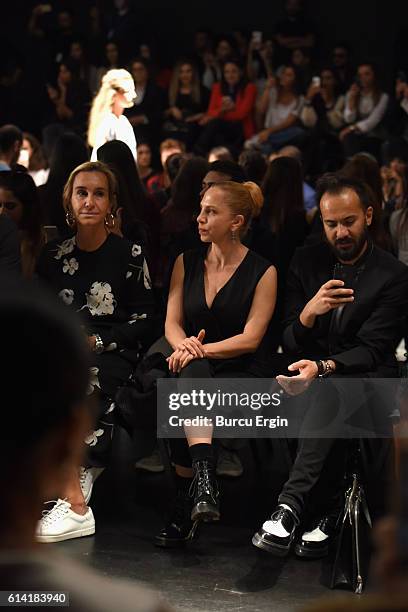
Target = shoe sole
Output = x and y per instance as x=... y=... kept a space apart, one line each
x=79 y=533
x=311 y=554
x=205 y=512
x=273 y=549
x=174 y=542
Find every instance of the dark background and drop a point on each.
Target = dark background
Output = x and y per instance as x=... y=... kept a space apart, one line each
x=372 y=27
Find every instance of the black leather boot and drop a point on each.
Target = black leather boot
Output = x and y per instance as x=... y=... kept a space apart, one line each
x=204 y=490
x=180 y=528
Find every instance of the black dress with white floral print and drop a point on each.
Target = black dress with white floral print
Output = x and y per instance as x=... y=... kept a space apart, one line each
x=110 y=289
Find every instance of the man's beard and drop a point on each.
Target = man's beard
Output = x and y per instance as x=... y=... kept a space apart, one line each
x=347 y=249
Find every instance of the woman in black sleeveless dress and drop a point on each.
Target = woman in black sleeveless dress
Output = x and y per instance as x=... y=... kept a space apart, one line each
x=220 y=304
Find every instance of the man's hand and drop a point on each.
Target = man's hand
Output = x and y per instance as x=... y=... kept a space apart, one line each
x=331 y=295
x=294 y=385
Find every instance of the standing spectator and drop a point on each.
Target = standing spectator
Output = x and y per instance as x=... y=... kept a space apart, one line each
x=11 y=139
x=343 y=67
x=32 y=157
x=260 y=61
x=365 y=108
x=70 y=98
x=146 y=114
x=229 y=118
x=19 y=201
x=106 y=119
x=279 y=106
x=188 y=101
x=293 y=32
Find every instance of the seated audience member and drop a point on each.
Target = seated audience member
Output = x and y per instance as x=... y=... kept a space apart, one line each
x=202 y=42
x=135 y=215
x=364 y=111
x=229 y=118
x=363 y=167
x=322 y=113
x=396 y=146
x=146 y=114
x=69 y=152
x=343 y=67
x=219 y=153
x=112 y=60
x=144 y=162
x=254 y=165
x=106 y=119
x=284 y=215
x=260 y=58
x=212 y=70
x=178 y=226
x=293 y=32
x=279 y=106
x=11 y=140
x=87 y=72
x=399 y=233
x=300 y=58
x=19 y=200
x=394 y=185
x=239 y=289
x=39 y=451
x=105 y=278
x=221 y=171
x=360 y=340
x=187 y=103
x=10 y=252
x=71 y=98
x=309 y=194
x=161 y=181
x=33 y=158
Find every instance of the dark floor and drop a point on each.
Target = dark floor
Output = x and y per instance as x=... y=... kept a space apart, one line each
x=221 y=571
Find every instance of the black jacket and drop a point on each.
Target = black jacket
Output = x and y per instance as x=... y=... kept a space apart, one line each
x=365 y=338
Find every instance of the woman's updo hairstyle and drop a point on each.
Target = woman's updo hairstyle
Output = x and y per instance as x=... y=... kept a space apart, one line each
x=244 y=199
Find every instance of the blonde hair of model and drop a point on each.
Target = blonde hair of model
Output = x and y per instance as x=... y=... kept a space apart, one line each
x=114 y=81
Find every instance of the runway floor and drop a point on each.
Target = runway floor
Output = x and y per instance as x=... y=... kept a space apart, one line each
x=222 y=570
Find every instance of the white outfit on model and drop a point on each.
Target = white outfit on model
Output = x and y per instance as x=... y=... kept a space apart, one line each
x=114 y=128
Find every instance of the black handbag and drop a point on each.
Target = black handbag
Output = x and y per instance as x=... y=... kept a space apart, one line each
x=136 y=400
x=351 y=546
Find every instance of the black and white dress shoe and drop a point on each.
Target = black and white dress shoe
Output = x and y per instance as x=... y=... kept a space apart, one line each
x=276 y=534
x=315 y=543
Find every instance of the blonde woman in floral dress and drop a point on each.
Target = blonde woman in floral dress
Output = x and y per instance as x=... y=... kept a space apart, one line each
x=105 y=278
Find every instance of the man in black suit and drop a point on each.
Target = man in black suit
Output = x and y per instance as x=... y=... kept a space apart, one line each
x=339 y=328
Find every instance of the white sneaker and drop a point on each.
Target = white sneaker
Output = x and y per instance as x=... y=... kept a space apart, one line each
x=152 y=463
x=61 y=523
x=229 y=464
x=87 y=477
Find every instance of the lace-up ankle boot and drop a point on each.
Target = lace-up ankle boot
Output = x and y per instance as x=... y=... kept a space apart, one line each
x=204 y=490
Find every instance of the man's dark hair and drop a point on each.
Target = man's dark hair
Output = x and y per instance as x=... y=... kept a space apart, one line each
x=9 y=134
x=334 y=184
x=45 y=368
x=230 y=168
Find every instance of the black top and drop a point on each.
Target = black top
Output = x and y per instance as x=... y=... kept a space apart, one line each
x=110 y=289
x=189 y=107
x=364 y=338
x=230 y=309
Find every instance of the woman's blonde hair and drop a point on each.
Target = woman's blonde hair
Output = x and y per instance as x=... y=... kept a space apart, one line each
x=244 y=199
x=175 y=83
x=91 y=167
x=113 y=81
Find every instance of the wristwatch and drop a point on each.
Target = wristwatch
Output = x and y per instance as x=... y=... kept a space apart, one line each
x=324 y=368
x=99 y=348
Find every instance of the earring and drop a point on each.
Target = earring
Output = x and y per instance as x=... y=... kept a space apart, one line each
x=109 y=221
x=69 y=219
x=233 y=236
